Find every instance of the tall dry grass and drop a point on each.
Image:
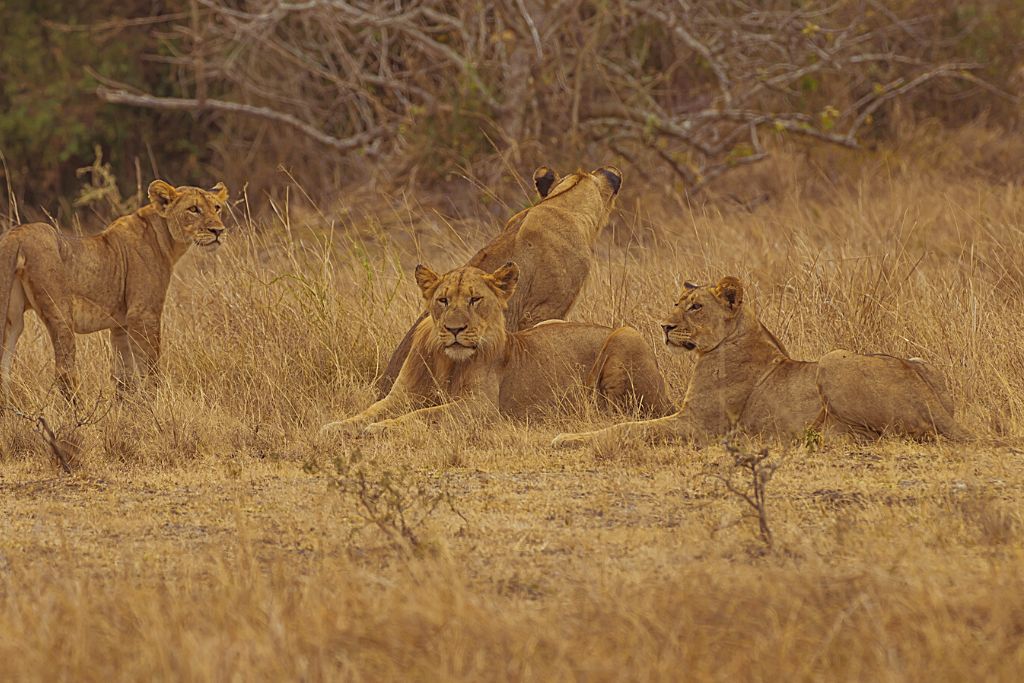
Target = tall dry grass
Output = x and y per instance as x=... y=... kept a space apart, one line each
x=204 y=535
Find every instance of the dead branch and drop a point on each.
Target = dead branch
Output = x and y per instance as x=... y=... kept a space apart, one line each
x=431 y=83
x=53 y=443
x=756 y=470
x=179 y=103
x=95 y=413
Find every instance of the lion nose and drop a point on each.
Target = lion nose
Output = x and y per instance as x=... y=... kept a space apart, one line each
x=668 y=327
x=455 y=330
x=216 y=231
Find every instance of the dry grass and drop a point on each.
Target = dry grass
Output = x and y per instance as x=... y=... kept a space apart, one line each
x=205 y=534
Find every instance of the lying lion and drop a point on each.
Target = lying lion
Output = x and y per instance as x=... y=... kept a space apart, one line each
x=551 y=241
x=116 y=280
x=745 y=379
x=462 y=356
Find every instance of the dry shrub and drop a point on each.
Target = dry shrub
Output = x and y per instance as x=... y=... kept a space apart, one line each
x=680 y=92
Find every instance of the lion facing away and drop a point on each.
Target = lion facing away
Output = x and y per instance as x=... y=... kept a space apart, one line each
x=115 y=280
x=551 y=241
x=463 y=356
x=745 y=379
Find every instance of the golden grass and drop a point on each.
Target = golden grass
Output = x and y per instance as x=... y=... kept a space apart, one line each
x=205 y=536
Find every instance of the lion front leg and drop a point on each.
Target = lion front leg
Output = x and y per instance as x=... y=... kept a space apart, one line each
x=124 y=369
x=143 y=333
x=668 y=428
x=474 y=408
x=379 y=410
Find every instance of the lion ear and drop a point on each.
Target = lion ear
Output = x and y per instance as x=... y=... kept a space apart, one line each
x=612 y=175
x=505 y=278
x=220 y=190
x=426 y=279
x=730 y=291
x=161 y=193
x=544 y=179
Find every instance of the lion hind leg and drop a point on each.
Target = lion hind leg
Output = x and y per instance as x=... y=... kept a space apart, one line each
x=879 y=394
x=54 y=308
x=626 y=374
x=125 y=370
x=934 y=379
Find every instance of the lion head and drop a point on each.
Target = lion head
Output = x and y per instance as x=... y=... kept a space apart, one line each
x=467 y=307
x=192 y=214
x=704 y=316
x=607 y=180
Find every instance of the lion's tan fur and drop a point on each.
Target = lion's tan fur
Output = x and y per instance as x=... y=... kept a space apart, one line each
x=552 y=242
x=745 y=380
x=462 y=355
x=116 y=279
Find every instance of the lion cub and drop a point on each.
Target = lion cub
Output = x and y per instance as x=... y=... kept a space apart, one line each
x=116 y=280
x=745 y=379
x=553 y=243
x=462 y=356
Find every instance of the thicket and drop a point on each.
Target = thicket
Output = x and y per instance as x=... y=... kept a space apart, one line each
x=407 y=93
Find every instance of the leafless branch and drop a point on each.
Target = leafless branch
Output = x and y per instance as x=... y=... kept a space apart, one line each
x=62 y=441
x=757 y=470
x=179 y=103
x=431 y=83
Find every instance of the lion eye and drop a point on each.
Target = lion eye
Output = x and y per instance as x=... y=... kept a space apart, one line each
x=443 y=301
x=695 y=307
x=217 y=208
x=474 y=300
x=195 y=209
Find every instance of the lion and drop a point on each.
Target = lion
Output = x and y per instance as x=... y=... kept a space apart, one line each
x=744 y=379
x=463 y=357
x=115 y=280
x=551 y=241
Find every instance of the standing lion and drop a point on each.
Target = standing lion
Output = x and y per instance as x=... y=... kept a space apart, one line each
x=116 y=280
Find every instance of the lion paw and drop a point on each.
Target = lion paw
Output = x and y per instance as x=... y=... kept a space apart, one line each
x=380 y=427
x=347 y=427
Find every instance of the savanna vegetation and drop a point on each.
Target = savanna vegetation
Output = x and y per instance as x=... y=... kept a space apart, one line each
x=206 y=531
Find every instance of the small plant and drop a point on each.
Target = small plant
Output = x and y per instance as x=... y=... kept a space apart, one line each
x=757 y=470
x=64 y=441
x=812 y=439
x=397 y=502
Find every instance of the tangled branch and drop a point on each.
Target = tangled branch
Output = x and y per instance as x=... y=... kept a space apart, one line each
x=757 y=470
x=696 y=85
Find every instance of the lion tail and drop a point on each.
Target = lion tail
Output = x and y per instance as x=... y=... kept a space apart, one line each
x=10 y=250
x=394 y=366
